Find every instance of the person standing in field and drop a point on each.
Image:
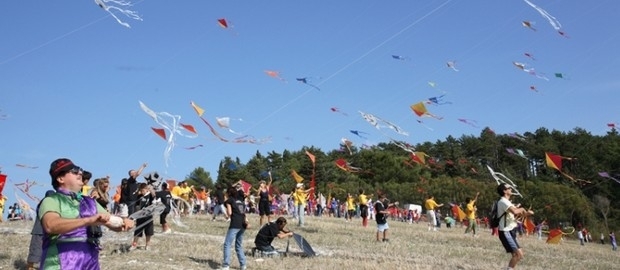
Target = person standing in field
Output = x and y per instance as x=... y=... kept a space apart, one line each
x=363 y=200
x=470 y=213
x=508 y=224
x=430 y=206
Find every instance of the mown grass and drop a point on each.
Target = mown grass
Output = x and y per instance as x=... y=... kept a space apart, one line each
x=340 y=245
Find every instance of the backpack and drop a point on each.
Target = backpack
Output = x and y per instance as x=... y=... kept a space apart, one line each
x=494 y=217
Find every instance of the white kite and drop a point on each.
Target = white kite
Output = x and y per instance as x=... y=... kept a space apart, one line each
x=501 y=178
x=119 y=5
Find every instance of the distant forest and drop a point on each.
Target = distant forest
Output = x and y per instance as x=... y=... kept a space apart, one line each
x=580 y=188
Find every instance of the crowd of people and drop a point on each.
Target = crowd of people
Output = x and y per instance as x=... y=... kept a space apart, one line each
x=70 y=238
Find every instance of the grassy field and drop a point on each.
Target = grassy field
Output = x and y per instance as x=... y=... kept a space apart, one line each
x=340 y=245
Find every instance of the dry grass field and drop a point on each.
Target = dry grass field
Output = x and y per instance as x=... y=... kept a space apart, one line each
x=340 y=245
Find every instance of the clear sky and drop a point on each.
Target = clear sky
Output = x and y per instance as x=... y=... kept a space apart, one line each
x=71 y=77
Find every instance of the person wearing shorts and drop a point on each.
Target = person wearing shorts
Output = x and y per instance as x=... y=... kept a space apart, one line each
x=508 y=224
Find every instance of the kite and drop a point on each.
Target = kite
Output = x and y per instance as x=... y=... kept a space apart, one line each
x=161 y=132
x=296 y=176
x=224 y=122
x=305 y=81
x=531 y=71
x=419 y=157
x=420 y=110
x=194 y=147
x=274 y=74
x=612 y=125
x=560 y=75
x=399 y=57
x=501 y=178
x=529 y=25
x=358 y=133
x=379 y=123
x=244 y=139
x=452 y=65
x=405 y=146
x=312 y=179
x=529 y=55
x=171 y=124
x=118 y=5
x=346 y=166
x=437 y=100
x=223 y=23
x=517 y=136
x=337 y=110
x=556 y=235
x=470 y=122
x=348 y=144
x=517 y=152
x=555 y=161
x=457 y=212
x=552 y=20
x=2 y=183
x=26 y=166
x=601 y=174
x=533 y=88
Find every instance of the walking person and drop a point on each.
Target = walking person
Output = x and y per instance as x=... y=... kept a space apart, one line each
x=508 y=224
x=235 y=209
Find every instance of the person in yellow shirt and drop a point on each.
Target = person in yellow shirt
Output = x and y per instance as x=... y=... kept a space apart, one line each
x=470 y=214
x=430 y=206
x=2 y=201
x=363 y=200
x=350 y=207
x=86 y=176
x=302 y=198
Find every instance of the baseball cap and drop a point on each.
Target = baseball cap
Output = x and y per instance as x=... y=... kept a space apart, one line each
x=62 y=165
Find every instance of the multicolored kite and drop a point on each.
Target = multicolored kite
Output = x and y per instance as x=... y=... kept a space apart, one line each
x=420 y=110
x=342 y=164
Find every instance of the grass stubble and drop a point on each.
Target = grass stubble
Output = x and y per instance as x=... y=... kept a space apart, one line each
x=339 y=245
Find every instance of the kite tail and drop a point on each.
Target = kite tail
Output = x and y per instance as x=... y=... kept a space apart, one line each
x=213 y=130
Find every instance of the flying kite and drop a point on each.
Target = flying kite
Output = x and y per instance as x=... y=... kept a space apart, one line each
x=26 y=166
x=379 y=123
x=555 y=161
x=358 y=133
x=346 y=166
x=405 y=146
x=529 y=25
x=529 y=55
x=422 y=123
x=275 y=75
x=170 y=123
x=452 y=65
x=420 y=110
x=194 y=147
x=607 y=175
x=399 y=57
x=118 y=5
x=470 y=122
x=611 y=125
x=437 y=100
x=243 y=139
x=560 y=75
x=348 y=144
x=531 y=71
x=517 y=152
x=224 y=122
x=337 y=110
x=552 y=20
x=305 y=80
x=223 y=23
x=533 y=88
x=419 y=157
x=501 y=178
x=517 y=136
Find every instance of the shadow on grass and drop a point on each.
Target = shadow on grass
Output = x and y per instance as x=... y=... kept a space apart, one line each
x=211 y=263
x=20 y=264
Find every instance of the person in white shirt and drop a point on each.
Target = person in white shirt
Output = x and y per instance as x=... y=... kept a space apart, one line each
x=508 y=223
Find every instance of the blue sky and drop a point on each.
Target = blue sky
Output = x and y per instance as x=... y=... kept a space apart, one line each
x=71 y=77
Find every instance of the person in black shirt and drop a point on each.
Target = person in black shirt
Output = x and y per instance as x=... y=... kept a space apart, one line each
x=129 y=195
x=238 y=223
x=144 y=225
x=219 y=202
x=164 y=197
x=381 y=214
x=270 y=231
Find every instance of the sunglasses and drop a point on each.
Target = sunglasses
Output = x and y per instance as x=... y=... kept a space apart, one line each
x=76 y=170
